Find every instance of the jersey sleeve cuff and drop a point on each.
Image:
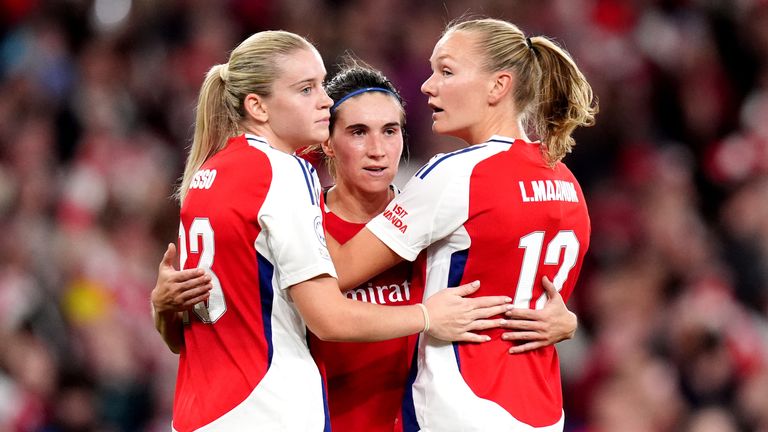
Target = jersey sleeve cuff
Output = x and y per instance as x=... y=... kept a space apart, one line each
x=384 y=234
x=307 y=274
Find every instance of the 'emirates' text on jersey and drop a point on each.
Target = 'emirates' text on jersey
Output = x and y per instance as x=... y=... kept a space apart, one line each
x=366 y=380
x=252 y=217
x=493 y=212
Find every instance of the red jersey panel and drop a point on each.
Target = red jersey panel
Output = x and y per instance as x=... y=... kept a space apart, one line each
x=366 y=381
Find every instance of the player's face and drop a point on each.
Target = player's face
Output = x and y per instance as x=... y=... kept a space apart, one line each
x=458 y=86
x=367 y=142
x=298 y=106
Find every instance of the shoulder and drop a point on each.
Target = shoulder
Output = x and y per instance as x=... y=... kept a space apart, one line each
x=283 y=163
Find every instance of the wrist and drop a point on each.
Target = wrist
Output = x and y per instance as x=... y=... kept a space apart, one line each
x=425 y=314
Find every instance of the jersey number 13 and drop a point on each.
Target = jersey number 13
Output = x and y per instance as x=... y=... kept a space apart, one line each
x=533 y=244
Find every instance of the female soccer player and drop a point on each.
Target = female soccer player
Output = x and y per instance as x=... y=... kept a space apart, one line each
x=505 y=211
x=251 y=218
x=366 y=381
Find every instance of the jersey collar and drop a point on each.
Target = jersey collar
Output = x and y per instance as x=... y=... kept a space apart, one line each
x=507 y=140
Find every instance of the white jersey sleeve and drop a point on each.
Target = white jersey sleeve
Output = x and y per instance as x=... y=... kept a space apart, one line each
x=292 y=219
x=432 y=205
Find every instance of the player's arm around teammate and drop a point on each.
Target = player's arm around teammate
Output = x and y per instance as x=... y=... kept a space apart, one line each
x=274 y=115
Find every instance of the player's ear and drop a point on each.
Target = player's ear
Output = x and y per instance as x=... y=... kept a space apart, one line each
x=500 y=86
x=256 y=107
x=327 y=149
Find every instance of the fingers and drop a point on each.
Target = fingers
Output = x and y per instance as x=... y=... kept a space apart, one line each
x=520 y=335
x=486 y=324
x=472 y=337
x=534 y=326
x=168 y=256
x=194 y=296
x=525 y=314
x=190 y=277
x=467 y=289
x=549 y=288
x=530 y=346
x=487 y=312
x=489 y=301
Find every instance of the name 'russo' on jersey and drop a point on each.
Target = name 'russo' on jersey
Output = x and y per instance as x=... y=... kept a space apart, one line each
x=203 y=179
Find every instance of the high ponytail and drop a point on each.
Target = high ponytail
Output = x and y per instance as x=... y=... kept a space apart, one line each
x=565 y=99
x=550 y=91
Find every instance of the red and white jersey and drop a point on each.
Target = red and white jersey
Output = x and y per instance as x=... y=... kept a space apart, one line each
x=497 y=213
x=252 y=217
x=366 y=381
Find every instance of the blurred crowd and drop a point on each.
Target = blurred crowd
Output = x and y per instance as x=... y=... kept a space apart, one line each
x=97 y=101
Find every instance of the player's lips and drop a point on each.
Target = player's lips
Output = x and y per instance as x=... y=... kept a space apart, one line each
x=435 y=109
x=375 y=170
x=324 y=120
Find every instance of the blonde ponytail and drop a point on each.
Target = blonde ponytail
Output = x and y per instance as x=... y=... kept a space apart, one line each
x=565 y=99
x=213 y=126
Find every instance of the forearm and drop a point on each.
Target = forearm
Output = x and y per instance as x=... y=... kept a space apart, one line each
x=361 y=321
x=170 y=326
x=331 y=316
x=361 y=258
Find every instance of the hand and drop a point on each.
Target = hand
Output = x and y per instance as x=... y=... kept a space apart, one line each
x=539 y=328
x=177 y=291
x=453 y=317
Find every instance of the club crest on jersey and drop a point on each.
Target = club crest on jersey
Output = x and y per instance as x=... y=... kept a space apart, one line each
x=320 y=231
x=203 y=179
x=396 y=216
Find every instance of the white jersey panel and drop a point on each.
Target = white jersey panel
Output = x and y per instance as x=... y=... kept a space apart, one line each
x=433 y=204
x=292 y=221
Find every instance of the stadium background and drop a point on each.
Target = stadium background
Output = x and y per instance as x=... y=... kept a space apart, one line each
x=96 y=108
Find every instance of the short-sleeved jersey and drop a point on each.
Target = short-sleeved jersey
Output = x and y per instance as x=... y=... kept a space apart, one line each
x=252 y=218
x=497 y=213
x=366 y=381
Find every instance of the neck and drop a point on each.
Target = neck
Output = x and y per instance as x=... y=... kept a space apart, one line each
x=498 y=122
x=266 y=132
x=354 y=205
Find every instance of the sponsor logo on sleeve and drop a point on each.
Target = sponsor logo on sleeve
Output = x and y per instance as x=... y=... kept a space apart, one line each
x=396 y=216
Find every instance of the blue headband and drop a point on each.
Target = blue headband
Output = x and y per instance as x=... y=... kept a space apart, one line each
x=357 y=92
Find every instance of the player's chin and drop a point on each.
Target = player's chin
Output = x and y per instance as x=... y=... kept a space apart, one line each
x=320 y=135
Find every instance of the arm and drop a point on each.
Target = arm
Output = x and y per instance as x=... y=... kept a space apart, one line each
x=539 y=328
x=174 y=292
x=361 y=258
x=331 y=316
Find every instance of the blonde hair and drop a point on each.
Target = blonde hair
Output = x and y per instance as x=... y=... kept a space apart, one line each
x=251 y=69
x=550 y=90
